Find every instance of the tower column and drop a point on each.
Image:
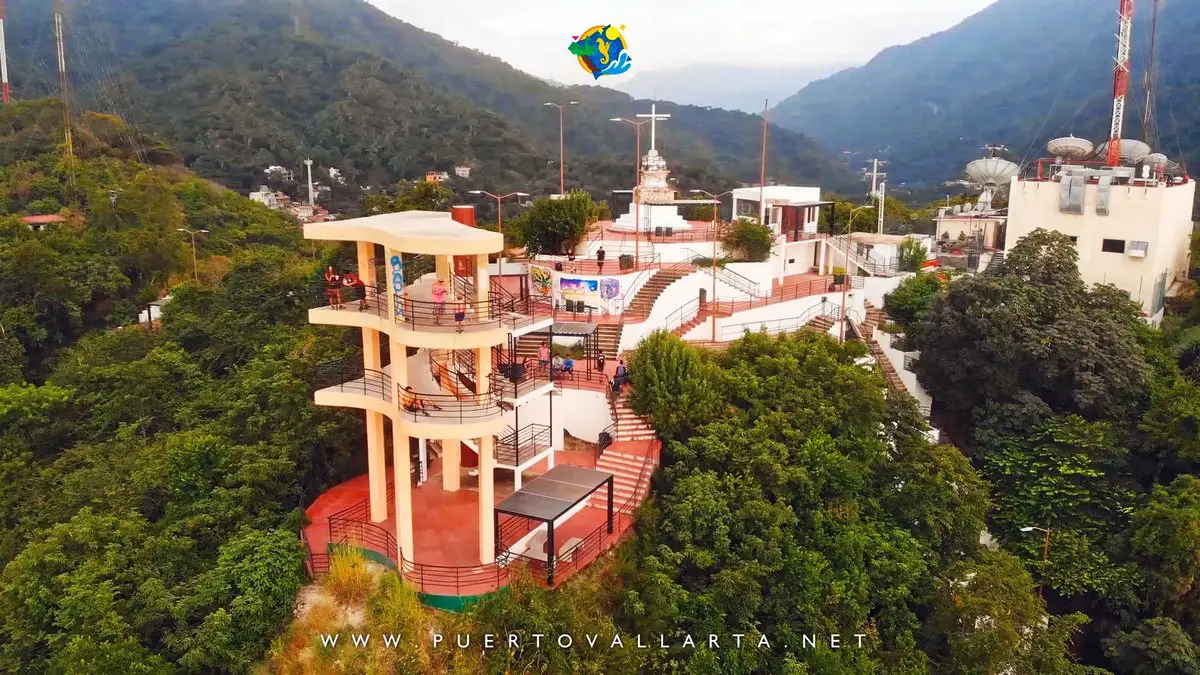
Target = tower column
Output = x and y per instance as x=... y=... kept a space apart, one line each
x=403 y=484
x=377 y=467
x=442 y=267
x=487 y=501
x=451 y=464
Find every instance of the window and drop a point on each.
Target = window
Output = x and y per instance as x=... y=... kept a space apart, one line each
x=1074 y=240
x=1137 y=249
x=1113 y=246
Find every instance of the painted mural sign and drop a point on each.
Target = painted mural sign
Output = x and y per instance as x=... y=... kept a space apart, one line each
x=398 y=285
x=585 y=290
x=542 y=280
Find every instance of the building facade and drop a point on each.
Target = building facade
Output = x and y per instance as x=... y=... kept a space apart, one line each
x=1132 y=233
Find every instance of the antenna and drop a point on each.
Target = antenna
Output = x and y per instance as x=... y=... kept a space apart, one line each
x=63 y=85
x=1149 y=124
x=1120 y=82
x=876 y=175
x=4 y=56
x=882 y=203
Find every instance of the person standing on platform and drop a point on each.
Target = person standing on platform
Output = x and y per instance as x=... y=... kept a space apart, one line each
x=544 y=355
x=600 y=261
x=439 y=301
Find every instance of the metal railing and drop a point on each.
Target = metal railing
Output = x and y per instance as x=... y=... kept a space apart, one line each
x=785 y=325
x=793 y=292
x=443 y=408
x=514 y=380
x=592 y=266
x=517 y=446
x=367 y=298
x=726 y=275
x=680 y=317
x=910 y=363
x=348 y=375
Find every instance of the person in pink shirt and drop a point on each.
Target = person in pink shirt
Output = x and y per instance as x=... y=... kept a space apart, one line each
x=544 y=355
x=439 y=301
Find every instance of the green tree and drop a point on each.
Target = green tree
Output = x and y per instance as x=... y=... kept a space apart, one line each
x=913 y=298
x=424 y=196
x=912 y=254
x=1155 y=647
x=556 y=226
x=750 y=240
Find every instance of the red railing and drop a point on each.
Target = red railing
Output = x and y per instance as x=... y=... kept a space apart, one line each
x=793 y=292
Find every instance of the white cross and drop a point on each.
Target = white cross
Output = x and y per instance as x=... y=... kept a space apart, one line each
x=654 y=116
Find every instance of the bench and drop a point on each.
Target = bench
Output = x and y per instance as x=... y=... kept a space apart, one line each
x=570 y=549
x=536 y=548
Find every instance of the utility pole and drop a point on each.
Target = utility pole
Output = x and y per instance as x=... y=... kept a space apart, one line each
x=195 y=268
x=877 y=190
x=762 y=176
x=4 y=55
x=312 y=202
x=562 y=167
x=63 y=84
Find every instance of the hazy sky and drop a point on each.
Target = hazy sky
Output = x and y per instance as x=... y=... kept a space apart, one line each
x=533 y=35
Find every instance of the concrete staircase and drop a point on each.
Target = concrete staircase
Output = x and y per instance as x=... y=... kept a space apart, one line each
x=643 y=300
x=630 y=425
x=820 y=323
x=626 y=469
x=875 y=318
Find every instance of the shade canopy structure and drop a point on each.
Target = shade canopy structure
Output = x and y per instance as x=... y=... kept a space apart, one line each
x=550 y=496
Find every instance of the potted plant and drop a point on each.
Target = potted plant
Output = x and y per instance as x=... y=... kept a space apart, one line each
x=839 y=276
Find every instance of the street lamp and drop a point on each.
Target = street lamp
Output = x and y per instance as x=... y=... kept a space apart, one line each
x=846 y=271
x=561 y=166
x=713 y=234
x=500 y=222
x=637 y=184
x=195 y=273
x=1045 y=553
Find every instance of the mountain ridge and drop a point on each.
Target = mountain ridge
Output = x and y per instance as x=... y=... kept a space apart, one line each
x=1017 y=73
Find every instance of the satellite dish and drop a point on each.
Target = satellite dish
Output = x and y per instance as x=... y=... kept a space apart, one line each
x=957 y=209
x=991 y=171
x=1070 y=147
x=1155 y=159
x=1132 y=151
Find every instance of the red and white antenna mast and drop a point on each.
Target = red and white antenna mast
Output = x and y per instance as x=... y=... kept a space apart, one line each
x=1120 y=82
x=4 y=57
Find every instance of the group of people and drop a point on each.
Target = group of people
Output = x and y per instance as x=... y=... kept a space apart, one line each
x=557 y=364
x=618 y=381
x=336 y=281
x=439 y=293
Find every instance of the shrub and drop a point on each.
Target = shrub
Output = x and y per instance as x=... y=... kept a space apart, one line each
x=350 y=578
x=750 y=240
x=912 y=254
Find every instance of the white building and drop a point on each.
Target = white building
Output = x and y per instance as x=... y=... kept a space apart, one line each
x=1130 y=232
x=280 y=172
x=265 y=196
x=462 y=171
x=776 y=198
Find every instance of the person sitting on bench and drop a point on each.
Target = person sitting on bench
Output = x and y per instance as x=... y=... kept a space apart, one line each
x=568 y=365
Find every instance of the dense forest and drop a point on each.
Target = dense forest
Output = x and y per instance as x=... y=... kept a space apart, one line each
x=1018 y=73
x=237 y=87
x=153 y=480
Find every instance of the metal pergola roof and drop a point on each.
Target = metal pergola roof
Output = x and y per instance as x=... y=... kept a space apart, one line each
x=555 y=492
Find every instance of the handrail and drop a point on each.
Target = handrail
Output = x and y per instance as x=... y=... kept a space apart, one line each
x=442 y=408
x=576 y=265
x=738 y=281
x=685 y=313
x=787 y=293
x=517 y=446
x=514 y=380
x=791 y=323
x=349 y=375
x=367 y=298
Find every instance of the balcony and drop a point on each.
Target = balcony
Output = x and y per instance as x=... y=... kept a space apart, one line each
x=514 y=381
x=346 y=383
x=517 y=446
x=464 y=408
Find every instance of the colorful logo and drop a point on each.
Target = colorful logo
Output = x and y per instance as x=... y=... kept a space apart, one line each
x=601 y=50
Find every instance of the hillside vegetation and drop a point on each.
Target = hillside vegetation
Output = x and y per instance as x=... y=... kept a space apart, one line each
x=233 y=85
x=1018 y=73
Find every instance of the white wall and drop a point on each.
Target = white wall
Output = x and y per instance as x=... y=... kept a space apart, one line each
x=1159 y=215
x=874 y=288
x=802 y=252
x=784 y=310
x=896 y=358
x=679 y=252
x=763 y=274
x=679 y=293
x=582 y=412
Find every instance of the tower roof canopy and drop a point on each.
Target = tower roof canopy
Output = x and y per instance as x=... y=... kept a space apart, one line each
x=427 y=232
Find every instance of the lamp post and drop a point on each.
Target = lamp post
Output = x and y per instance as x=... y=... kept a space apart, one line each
x=193 y=233
x=846 y=272
x=1045 y=554
x=713 y=233
x=500 y=222
x=561 y=166
x=637 y=184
